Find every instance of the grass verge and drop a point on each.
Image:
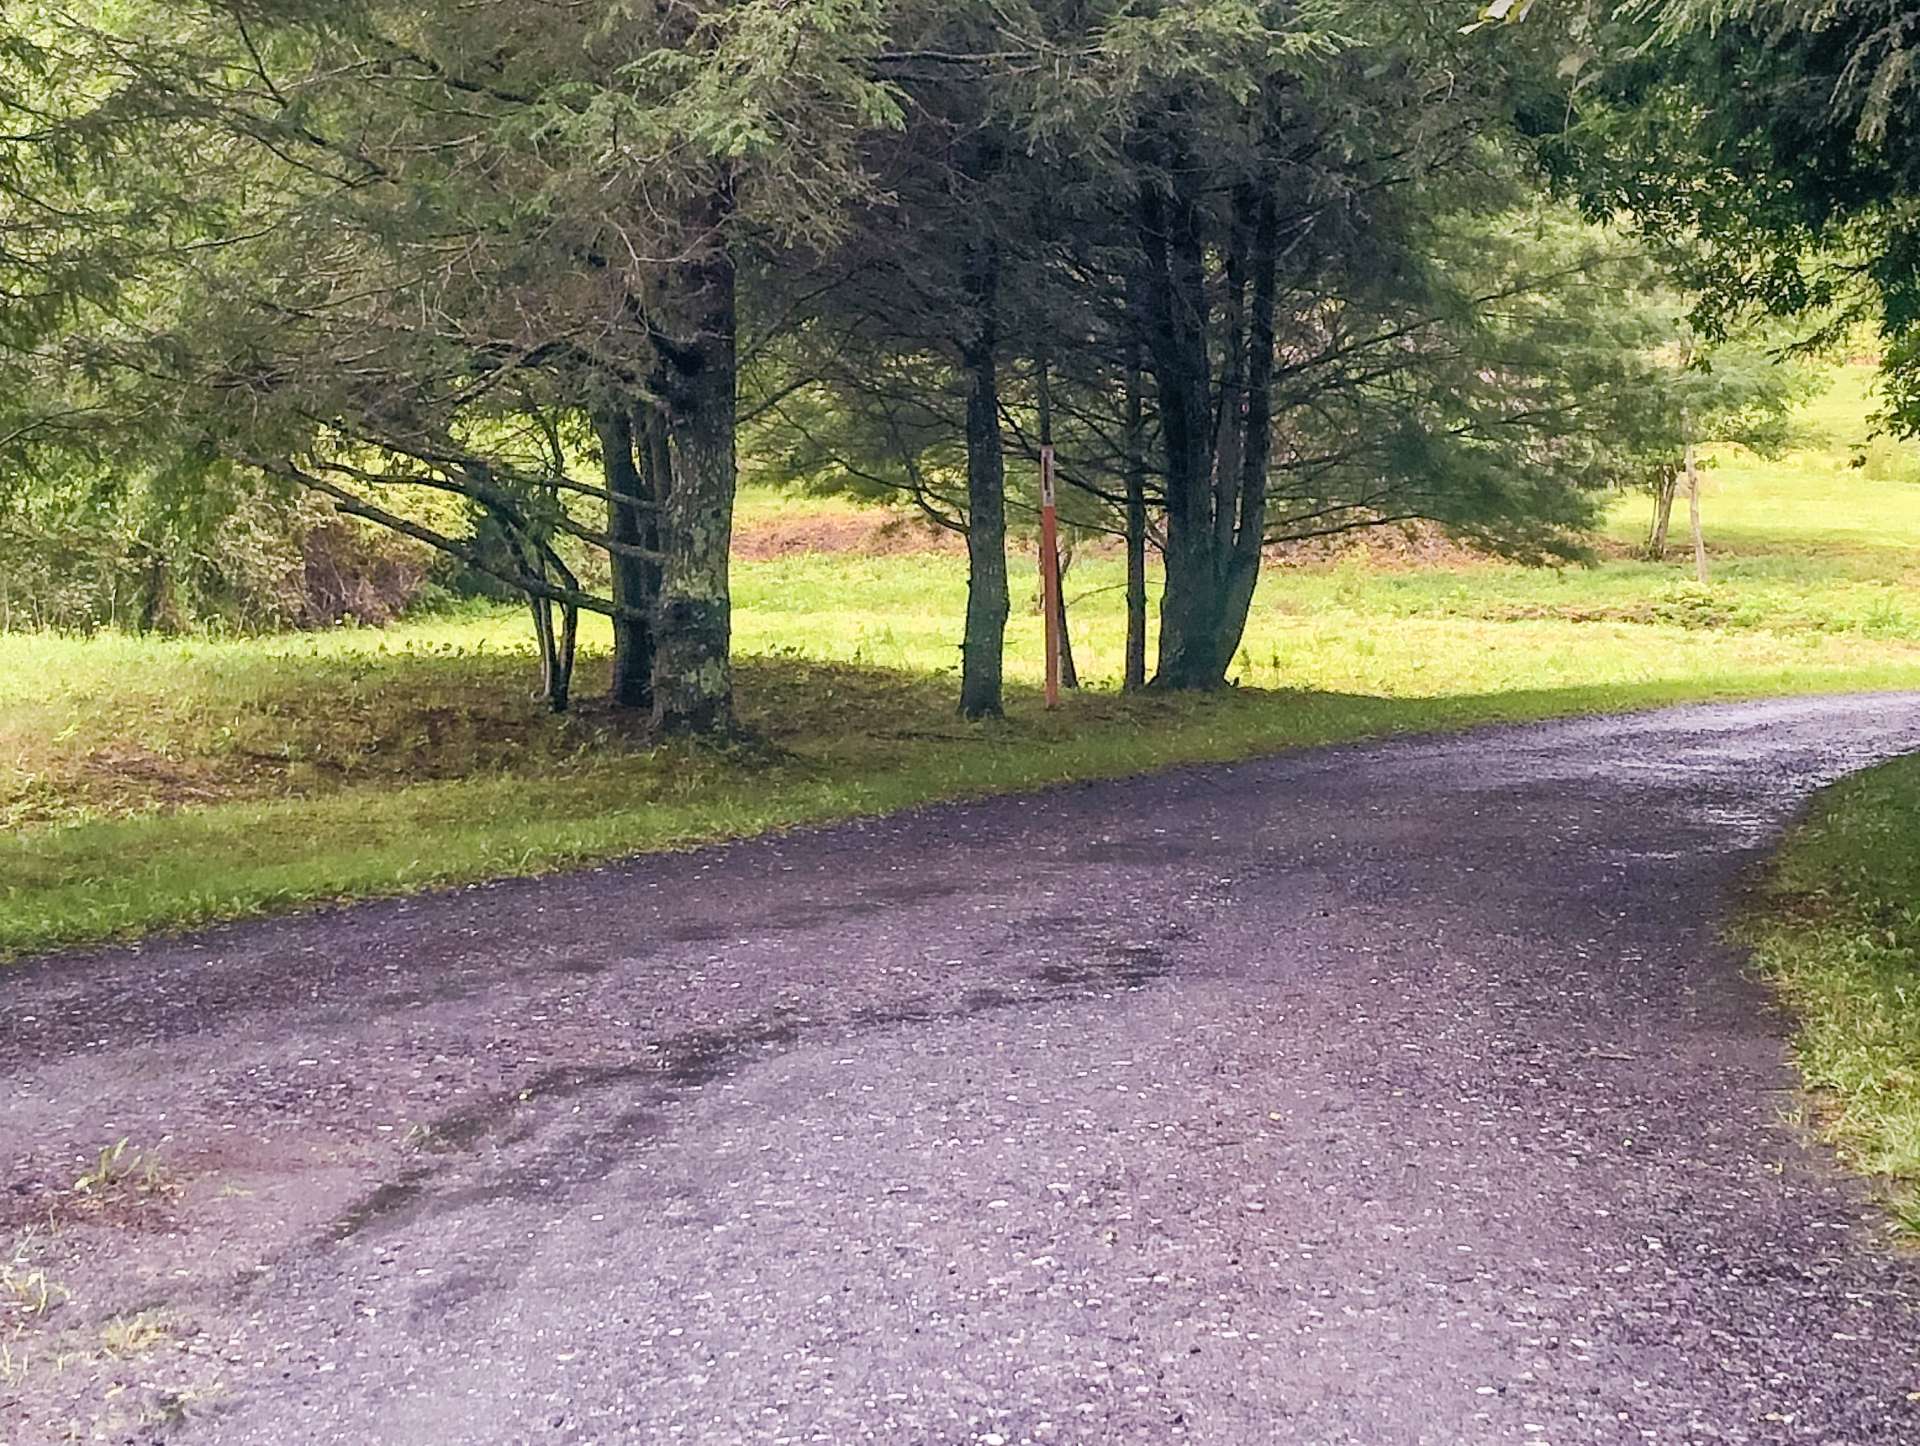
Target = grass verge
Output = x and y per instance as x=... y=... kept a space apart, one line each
x=1836 y=928
x=852 y=742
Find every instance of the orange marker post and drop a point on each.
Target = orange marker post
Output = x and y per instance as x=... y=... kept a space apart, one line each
x=1050 y=572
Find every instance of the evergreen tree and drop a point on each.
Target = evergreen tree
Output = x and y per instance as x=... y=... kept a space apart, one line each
x=429 y=243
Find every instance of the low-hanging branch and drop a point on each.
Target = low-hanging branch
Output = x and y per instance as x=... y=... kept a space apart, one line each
x=473 y=557
x=445 y=454
x=507 y=508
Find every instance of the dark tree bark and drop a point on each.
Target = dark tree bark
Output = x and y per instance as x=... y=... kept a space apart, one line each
x=1248 y=534
x=1062 y=558
x=1174 y=324
x=693 y=668
x=565 y=649
x=1216 y=456
x=1230 y=405
x=1666 y=488
x=1069 y=674
x=156 y=594
x=983 y=650
x=630 y=458
x=1135 y=676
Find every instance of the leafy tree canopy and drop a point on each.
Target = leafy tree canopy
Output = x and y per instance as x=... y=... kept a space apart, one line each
x=1780 y=140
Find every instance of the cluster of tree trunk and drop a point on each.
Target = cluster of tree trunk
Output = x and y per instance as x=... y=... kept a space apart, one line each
x=479 y=235
x=1668 y=480
x=1151 y=291
x=1218 y=439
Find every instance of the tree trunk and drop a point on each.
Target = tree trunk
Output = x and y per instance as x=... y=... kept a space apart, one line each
x=693 y=669
x=565 y=650
x=156 y=594
x=1069 y=674
x=557 y=648
x=627 y=456
x=543 y=638
x=1693 y=514
x=1216 y=461
x=1135 y=676
x=1256 y=434
x=983 y=649
x=1174 y=323
x=1230 y=409
x=557 y=640
x=1665 y=488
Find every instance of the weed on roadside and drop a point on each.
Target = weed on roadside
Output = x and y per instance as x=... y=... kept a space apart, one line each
x=123 y=1168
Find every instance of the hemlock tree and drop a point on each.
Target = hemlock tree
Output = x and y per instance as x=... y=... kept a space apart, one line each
x=1275 y=183
x=1257 y=267
x=435 y=244
x=894 y=382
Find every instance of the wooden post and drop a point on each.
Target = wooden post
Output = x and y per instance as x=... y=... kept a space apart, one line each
x=1050 y=572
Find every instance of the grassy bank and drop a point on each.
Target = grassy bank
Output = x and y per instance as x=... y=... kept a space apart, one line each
x=148 y=784
x=863 y=742
x=1837 y=929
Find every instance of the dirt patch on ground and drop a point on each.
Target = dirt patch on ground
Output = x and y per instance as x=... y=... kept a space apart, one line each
x=125 y=779
x=126 y=776
x=859 y=534
x=1410 y=545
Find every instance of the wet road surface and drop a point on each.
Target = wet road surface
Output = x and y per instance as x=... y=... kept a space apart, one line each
x=1394 y=1093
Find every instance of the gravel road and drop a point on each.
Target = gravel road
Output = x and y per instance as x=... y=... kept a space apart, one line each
x=1393 y=1093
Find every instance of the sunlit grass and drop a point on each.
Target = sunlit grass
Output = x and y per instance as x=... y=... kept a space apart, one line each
x=1837 y=927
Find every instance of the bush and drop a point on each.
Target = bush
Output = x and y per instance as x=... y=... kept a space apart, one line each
x=357 y=574
x=246 y=558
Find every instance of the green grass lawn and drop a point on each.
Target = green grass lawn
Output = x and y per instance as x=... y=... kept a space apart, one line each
x=1836 y=927
x=148 y=784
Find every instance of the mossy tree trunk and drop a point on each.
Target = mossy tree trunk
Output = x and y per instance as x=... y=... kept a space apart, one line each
x=1216 y=463
x=1135 y=675
x=693 y=666
x=983 y=649
x=631 y=458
